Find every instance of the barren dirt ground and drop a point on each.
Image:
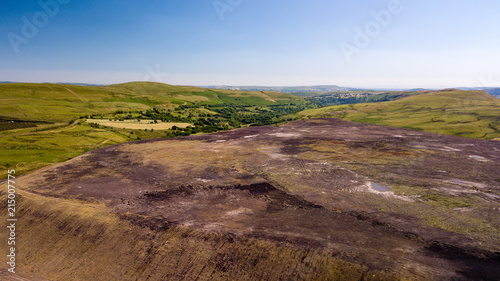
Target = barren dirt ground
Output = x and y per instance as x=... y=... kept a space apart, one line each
x=393 y=199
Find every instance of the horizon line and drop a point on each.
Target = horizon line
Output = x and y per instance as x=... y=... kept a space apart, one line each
x=262 y=86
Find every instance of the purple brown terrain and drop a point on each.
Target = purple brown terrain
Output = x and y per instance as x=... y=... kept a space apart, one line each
x=396 y=202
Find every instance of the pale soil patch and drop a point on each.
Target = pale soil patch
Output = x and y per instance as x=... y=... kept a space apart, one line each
x=478 y=158
x=369 y=187
x=136 y=125
x=252 y=136
x=286 y=135
x=274 y=153
x=451 y=148
x=466 y=183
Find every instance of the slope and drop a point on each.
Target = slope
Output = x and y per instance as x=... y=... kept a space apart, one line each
x=318 y=199
x=452 y=112
x=57 y=102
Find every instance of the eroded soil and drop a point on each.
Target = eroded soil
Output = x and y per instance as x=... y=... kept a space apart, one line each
x=310 y=184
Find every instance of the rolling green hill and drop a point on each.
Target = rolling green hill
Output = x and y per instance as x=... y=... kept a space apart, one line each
x=42 y=124
x=453 y=112
x=57 y=102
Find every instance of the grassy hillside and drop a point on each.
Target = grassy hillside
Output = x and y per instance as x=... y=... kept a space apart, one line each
x=75 y=240
x=183 y=94
x=453 y=112
x=56 y=102
x=41 y=124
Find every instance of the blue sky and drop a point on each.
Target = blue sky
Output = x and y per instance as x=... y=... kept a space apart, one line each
x=260 y=42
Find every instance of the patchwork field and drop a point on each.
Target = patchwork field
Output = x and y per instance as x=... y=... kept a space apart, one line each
x=319 y=199
x=138 y=125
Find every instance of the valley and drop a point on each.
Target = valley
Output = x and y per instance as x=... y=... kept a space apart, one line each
x=43 y=124
x=147 y=181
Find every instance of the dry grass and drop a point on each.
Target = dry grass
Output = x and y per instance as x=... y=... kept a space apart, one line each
x=68 y=235
x=62 y=239
x=138 y=125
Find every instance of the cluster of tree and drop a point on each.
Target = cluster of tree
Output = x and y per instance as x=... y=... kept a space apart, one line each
x=228 y=116
x=223 y=117
x=176 y=131
x=237 y=115
x=164 y=116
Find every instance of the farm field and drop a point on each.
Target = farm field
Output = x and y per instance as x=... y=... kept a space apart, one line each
x=138 y=125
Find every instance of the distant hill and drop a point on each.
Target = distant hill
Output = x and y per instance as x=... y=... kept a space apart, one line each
x=62 y=83
x=490 y=90
x=62 y=102
x=452 y=112
x=78 y=84
x=494 y=92
x=295 y=89
x=309 y=91
x=352 y=97
x=314 y=90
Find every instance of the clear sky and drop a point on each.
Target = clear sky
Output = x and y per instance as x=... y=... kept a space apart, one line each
x=369 y=43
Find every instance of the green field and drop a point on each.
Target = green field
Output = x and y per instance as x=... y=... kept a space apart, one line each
x=452 y=112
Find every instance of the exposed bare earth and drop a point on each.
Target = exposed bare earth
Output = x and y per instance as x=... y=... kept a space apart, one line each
x=310 y=184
